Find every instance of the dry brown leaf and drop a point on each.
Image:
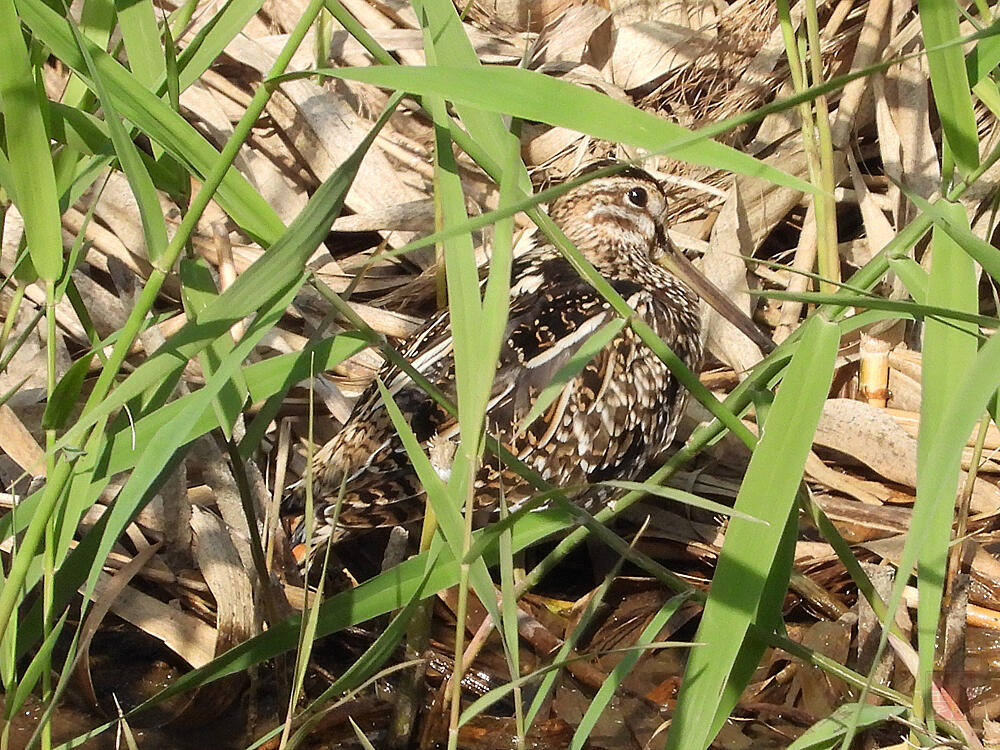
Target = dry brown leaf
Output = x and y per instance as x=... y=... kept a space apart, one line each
x=26 y=372
x=870 y=436
x=227 y=578
x=869 y=627
x=490 y=48
x=107 y=312
x=108 y=589
x=66 y=320
x=522 y=15
x=558 y=149
x=876 y=440
x=265 y=174
x=878 y=231
x=910 y=421
x=17 y=442
x=725 y=267
x=904 y=380
x=646 y=52
x=176 y=511
x=860 y=522
x=415 y=216
x=905 y=137
x=871 y=42
x=217 y=475
x=117 y=209
x=798 y=282
x=813 y=688
x=185 y=635
x=325 y=129
x=866 y=491
x=104 y=245
x=766 y=204
x=580 y=35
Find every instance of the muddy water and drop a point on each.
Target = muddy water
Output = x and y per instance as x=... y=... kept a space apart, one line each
x=126 y=668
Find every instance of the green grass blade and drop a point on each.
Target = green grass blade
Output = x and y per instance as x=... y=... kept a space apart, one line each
x=473 y=377
x=448 y=515
x=989 y=94
x=150 y=213
x=157 y=120
x=271 y=386
x=141 y=35
x=383 y=593
x=496 y=295
x=607 y=691
x=32 y=673
x=84 y=133
x=956 y=224
x=387 y=642
x=949 y=80
x=829 y=732
x=680 y=496
x=65 y=396
x=129 y=441
x=171 y=72
x=534 y=96
x=445 y=39
x=447 y=507
x=198 y=291
x=273 y=274
x=141 y=443
x=476 y=340
x=949 y=348
x=152 y=463
x=8 y=662
x=199 y=54
x=265 y=380
x=33 y=180
x=450 y=43
x=899 y=308
x=97 y=21
x=360 y=736
x=275 y=279
x=311 y=224
x=984 y=57
x=496 y=308
x=750 y=566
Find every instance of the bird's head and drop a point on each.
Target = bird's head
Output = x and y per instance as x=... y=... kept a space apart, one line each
x=614 y=219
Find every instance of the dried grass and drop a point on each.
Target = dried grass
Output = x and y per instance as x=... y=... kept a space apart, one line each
x=691 y=62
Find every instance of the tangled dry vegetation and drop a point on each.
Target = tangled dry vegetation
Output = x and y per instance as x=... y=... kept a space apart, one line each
x=183 y=574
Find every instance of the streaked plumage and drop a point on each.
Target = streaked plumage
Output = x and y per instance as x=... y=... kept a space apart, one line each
x=611 y=421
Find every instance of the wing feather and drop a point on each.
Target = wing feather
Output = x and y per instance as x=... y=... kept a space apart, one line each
x=546 y=327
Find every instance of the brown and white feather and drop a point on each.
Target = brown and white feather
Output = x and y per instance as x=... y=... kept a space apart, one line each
x=611 y=421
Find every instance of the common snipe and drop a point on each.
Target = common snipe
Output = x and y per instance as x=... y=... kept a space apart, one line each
x=609 y=422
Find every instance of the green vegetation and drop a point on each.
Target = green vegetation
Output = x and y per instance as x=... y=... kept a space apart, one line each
x=120 y=418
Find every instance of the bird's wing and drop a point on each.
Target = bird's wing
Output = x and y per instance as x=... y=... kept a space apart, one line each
x=590 y=430
x=368 y=446
x=571 y=441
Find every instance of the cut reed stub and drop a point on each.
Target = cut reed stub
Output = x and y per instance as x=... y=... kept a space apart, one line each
x=873 y=376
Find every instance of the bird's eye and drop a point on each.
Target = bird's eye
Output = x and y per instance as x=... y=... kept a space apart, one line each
x=637 y=196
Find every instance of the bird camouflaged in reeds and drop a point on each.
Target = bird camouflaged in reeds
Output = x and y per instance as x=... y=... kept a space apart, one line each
x=611 y=421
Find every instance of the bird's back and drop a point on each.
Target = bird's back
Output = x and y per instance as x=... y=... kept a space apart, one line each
x=608 y=421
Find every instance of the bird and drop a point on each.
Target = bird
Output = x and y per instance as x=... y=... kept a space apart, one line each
x=612 y=420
